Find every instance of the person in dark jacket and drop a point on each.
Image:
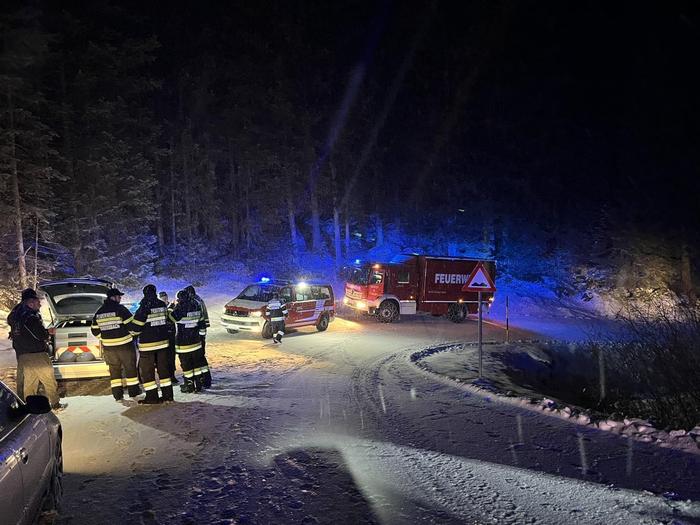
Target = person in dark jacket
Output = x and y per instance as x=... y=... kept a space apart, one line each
x=204 y=369
x=188 y=317
x=276 y=312
x=151 y=324
x=112 y=324
x=163 y=296
x=31 y=343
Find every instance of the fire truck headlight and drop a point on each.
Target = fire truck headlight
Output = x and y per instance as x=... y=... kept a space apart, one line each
x=360 y=305
x=346 y=300
x=257 y=313
x=492 y=299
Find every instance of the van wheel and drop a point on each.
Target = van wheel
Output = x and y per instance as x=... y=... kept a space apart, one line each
x=387 y=312
x=456 y=313
x=55 y=492
x=231 y=331
x=267 y=330
x=322 y=324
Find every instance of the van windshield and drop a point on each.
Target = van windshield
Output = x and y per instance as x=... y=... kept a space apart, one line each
x=259 y=292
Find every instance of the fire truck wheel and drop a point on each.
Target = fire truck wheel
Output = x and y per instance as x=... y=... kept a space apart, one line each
x=456 y=313
x=322 y=324
x=388 y=312
x=266 y=330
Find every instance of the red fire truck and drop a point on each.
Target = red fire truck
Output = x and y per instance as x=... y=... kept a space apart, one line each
x=419 y=283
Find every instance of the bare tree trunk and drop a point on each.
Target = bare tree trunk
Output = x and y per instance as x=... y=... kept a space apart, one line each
x=173 y=225
x=347 y=232
x=248 y=240
x=159 y=201
x=316 y=241
x=186 y=150
x=36 y=252
x=336 y=219
x=233 y=201
x=21 y=257
x=379 y=230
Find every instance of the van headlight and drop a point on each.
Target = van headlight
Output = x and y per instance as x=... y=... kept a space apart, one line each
x=257 y=313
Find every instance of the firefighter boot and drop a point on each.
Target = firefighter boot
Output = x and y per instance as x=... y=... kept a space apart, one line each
x=134 y=390
x=187 y=386
x=118 y=393
x=197 y=383
x=151 y=398
x=206 y=379
x=167 y=392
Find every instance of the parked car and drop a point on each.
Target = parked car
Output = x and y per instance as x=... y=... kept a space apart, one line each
x=308 y=304
x=31 y=458
x=71 y=304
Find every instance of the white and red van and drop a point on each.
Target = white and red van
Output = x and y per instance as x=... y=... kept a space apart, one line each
x=308 y=304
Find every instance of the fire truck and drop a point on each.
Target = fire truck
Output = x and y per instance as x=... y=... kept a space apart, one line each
x=412 y=284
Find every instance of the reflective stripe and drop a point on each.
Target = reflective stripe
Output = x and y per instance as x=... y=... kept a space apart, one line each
x=277 y=319
x=131 y=381
x=183 y=349
x=115 y=383
x=188 y=373
x=118 y=341
x=205 y=369
x=165 y=382
x=140 y=323
x=151 y=385
x=127 y=321
x=155 y=345
x=280 y=332
x=109 y=320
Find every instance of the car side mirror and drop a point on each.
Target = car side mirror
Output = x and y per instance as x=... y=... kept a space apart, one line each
x=38 y=405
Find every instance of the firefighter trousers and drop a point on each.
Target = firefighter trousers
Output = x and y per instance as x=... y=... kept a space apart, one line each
x=149 y=362
x=171 y=357
x=277 y=330
x=192 y=364
x=121 y=361
x=204 y=366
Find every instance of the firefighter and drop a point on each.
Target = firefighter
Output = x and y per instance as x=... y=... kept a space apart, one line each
x=163 y=296
x=277 y=313
x=204 y=369
x=111 y=324
x=151 y=324
x=188 y=317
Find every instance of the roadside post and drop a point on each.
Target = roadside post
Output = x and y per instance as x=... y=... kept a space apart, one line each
x=480 y=281
x=507 y=323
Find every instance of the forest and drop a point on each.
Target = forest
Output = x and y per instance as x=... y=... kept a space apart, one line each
x=144 y=137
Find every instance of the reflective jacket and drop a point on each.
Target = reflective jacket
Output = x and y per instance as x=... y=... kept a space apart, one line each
x=27 y=330
x=152 y=324
x=276 y=311
x=111 y=324
x=189 y=320
x=205 y=315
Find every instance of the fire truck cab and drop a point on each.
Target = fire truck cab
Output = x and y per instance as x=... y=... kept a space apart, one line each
x=410 y=284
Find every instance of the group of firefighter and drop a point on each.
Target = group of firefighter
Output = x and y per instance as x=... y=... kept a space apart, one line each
x=160 y=330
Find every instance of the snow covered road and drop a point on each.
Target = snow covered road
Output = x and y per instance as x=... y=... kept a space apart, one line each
x=340 y=427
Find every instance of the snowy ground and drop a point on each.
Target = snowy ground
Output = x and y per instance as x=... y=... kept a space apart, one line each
x=340 y=427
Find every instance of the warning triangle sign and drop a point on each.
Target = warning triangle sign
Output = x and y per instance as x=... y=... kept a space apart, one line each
x=479 y=280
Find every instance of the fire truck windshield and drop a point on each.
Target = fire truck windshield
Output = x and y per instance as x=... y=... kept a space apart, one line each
x=360 y=276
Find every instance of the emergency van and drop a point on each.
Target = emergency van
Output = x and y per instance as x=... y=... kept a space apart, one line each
x=308 y=304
